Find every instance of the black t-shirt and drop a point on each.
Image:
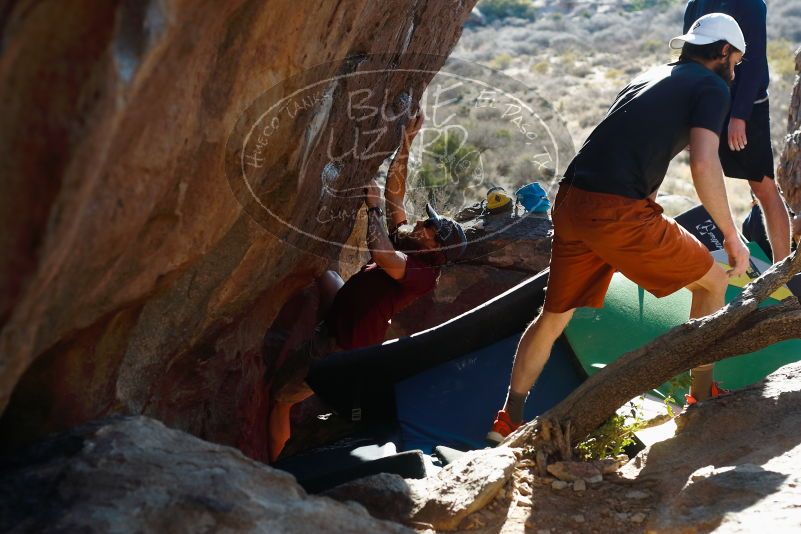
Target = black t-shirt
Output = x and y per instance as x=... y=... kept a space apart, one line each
x=628 y=153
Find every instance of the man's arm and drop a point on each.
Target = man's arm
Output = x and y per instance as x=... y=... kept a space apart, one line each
x=384 y=254
x=708 y=181
x=753 y=15
x=751 y=73
x=395 y=191
x=690 y=15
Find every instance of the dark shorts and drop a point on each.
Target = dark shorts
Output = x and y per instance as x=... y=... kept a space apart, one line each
x=755 y=161
x=289 y=381
x=596 y=234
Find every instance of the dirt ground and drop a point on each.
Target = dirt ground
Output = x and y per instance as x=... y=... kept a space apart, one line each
x=531 y=503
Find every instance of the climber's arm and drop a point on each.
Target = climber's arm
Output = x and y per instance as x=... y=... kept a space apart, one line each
x=383 y=252
x=395 y=190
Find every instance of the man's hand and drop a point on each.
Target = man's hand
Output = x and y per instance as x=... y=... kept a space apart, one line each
x=708 y=181
x=739 y=256
x=737 y=138
x=372 y=194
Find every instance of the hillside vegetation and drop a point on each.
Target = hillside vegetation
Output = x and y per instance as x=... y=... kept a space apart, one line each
x=577 y=55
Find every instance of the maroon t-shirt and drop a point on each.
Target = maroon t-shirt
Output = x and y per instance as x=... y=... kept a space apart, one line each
x=362 y=308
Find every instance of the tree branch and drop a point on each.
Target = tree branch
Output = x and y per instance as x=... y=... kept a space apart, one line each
x=738 y=328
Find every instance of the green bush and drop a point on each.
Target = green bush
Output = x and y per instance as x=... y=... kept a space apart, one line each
x=502 y=61
x=501 y=9
x=541 y=67
x=781 y=58
x=610 y=439
x=654 y=46
x=676 y=383
x=640 y=5
x=450 y=160
x=503 y=133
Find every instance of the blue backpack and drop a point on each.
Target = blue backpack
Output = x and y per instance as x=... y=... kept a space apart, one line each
x=533 y=197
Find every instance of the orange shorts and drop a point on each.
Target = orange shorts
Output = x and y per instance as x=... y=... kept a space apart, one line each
x=597 y=234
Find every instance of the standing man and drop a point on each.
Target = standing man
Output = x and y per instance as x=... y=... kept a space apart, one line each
x=404 y=265
x=745 y=149
x=605 y=216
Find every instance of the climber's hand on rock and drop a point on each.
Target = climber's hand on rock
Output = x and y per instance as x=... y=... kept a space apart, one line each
x=372 y=194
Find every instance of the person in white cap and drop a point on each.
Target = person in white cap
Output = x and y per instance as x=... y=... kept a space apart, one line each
x=746 y=151
x=605 y=215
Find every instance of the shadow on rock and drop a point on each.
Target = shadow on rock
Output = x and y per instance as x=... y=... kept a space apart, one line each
x=733 y=461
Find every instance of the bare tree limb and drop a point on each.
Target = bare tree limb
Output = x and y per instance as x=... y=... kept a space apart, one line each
x=738 y=328
x=761 y=329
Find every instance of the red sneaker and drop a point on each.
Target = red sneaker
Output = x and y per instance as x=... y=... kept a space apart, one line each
x=717 y=391
x=502 y=427
x=714 y=391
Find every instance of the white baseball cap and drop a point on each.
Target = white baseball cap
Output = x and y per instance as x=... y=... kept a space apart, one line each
x=712 y=28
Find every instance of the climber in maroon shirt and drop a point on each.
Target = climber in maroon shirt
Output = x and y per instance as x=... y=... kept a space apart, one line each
x=405 y=264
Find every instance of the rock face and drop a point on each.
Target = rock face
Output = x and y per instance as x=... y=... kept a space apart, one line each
x=133 y=281
x=132 y=474
x=505 y=249
x=733 y=465
x=442 y=500
x=788 y=173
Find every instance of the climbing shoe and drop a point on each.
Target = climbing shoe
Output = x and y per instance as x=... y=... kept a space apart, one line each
x=502 y=427
x=714 y=391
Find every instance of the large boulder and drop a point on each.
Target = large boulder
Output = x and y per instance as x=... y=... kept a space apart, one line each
x=733 y=464
x=133 y=474
x=440 y=501
x=132 y=280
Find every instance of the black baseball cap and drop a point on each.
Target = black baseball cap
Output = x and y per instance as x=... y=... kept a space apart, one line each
x=448 y=233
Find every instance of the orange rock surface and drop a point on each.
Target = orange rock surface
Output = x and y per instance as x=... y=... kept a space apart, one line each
x=133 y=281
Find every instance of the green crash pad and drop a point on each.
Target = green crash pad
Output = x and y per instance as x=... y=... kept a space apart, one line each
x=631 y=317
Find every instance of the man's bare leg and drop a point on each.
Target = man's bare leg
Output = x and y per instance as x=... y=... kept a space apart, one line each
x=328 y=284
x=279 y=428
x=533 y=351
x=709 y=295
x=279 y=421
x=777 y=220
